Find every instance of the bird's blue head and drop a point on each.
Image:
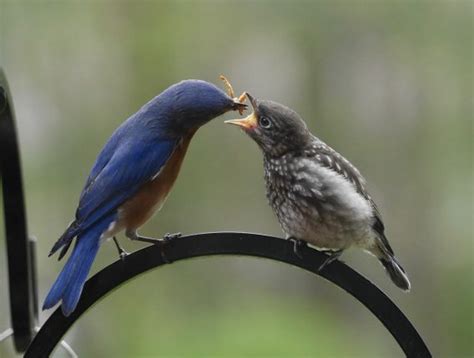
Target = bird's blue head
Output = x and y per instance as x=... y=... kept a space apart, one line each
x=189 y=104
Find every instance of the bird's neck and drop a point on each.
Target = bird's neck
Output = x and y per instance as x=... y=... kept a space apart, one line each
x=282 y=153
x=276 y=163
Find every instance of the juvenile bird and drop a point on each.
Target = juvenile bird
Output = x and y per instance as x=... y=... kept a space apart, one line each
x=318 y=196
x=132 y=177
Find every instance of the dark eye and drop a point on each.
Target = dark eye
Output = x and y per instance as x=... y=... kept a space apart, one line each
x=264 y=122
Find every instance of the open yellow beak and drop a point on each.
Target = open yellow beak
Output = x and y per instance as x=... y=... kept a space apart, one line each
x=249 y=122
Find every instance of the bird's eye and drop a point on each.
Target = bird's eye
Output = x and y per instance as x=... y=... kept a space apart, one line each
x=264 y=122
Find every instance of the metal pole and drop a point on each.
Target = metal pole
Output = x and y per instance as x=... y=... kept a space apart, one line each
x=20 y=261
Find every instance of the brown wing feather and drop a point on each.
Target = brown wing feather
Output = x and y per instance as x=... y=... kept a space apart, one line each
x=329 y=158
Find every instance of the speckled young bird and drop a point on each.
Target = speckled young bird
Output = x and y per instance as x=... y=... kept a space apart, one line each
x=319 y=197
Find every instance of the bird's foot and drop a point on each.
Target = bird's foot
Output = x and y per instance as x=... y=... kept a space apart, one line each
x=132 y=235
x=297 y=245
x=162 y=243
x=169 y=237
x=148 y=240
x=122 y=253
x=159 y=242
x=331 y=256
x=230 y=91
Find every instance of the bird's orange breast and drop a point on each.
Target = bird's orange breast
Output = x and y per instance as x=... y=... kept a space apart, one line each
x=137 y=210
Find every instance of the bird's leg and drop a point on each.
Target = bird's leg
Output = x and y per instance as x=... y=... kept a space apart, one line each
x=133 y=235
x=122 y=253
x=297 y=245
x=332 y=256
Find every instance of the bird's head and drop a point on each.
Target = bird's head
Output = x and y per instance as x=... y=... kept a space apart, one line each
x=189 y=104
x=276 y=128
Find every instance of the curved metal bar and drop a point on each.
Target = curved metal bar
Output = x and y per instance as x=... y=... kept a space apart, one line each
x=21 y=268
x=230 y=243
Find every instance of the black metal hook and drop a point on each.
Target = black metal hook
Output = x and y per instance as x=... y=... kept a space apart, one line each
x=20 y=250
x=232 y=243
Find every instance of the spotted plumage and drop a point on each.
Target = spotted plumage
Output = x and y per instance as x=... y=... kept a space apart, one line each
x=318 y=196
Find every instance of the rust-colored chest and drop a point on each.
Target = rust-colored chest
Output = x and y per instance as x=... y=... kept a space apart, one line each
x=151 y=197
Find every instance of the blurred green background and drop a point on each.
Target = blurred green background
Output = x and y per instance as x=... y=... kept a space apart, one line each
x=388 y=84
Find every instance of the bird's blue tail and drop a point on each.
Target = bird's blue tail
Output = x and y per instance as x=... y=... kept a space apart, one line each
x=68 y=286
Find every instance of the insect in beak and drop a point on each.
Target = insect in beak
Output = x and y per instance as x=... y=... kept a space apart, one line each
x=239 y=104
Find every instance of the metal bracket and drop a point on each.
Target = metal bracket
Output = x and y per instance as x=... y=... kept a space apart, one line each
x=232 y=243
x=20 y=249
x=67 y=348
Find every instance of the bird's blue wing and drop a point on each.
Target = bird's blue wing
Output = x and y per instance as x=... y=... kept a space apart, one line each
x=106 y=153
x=132 y=164
x=128 y=169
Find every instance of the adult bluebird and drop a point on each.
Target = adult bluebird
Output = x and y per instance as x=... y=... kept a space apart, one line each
x=132 y=177
x=318 y=196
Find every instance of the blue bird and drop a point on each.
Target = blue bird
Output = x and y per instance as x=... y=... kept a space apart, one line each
x=132 y=177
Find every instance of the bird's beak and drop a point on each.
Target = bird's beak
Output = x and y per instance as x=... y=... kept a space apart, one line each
x=252 y=100
x=238 y=106
x=248 y=122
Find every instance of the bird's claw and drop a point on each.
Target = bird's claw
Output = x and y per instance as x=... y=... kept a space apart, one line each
x=157 y=242
x=161 y=243
x=297 y=245
x=123 y=254
x=171 y=236
x=167 y=238
x=331 y=256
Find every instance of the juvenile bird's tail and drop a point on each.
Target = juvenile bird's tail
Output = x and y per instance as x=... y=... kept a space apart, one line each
x=384 y=253
x=68 y=286
x=396 y=272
